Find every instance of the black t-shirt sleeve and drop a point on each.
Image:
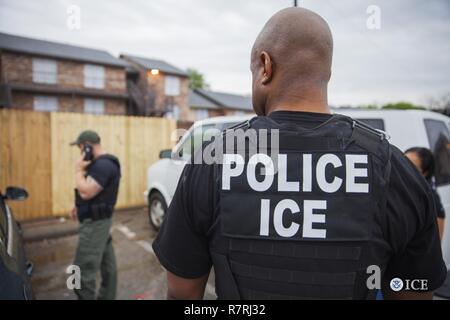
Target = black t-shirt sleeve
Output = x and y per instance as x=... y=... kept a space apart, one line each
x=412 y=226
x=102 y=171
x=182 y=244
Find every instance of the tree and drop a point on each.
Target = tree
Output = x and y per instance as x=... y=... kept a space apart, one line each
x=402 y=106
x=440 y=102
x=196 y=80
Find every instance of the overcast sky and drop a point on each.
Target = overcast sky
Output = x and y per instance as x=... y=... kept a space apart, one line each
x=408 y=58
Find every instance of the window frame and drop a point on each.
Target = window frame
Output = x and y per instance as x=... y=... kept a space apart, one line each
x=92 y=79
x=239 y=113
x=203 y=112
x=39 y=72
x=169 y=83
x=41 y=98
x=101 y=103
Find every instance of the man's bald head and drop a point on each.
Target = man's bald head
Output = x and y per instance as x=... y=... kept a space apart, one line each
x=291 y=56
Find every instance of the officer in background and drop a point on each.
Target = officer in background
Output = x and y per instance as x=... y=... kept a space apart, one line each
x=340 y=200
x=97 y=186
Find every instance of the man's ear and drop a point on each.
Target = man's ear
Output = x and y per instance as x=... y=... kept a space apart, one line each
x=267 y=67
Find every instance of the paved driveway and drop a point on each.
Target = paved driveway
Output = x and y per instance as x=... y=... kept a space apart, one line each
x=140 y=274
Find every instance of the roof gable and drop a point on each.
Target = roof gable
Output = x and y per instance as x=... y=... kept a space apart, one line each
x=155 y=64
x=198 y=101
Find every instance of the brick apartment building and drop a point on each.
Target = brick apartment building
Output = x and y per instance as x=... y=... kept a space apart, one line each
x=48 y=76
x=157 y=88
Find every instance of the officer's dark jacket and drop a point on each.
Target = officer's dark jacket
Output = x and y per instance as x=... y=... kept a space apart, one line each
x=253 y=264
x=102 y=205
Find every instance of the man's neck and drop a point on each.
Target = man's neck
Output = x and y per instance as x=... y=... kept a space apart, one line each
x=311 y=100
x=300 y=108
x=99 y=152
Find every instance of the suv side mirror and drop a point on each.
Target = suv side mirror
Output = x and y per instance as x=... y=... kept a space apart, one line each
x=165 y=154
x=16 y=193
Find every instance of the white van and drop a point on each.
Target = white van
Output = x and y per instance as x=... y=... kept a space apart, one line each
x=417 y=128
x=410 y=128
x=162 y=176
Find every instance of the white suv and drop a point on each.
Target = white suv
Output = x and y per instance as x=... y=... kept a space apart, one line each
x=411 y=128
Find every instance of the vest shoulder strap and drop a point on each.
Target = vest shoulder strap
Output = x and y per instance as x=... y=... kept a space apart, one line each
x=111 y=158
x=241 y=125
x=367 y=137
x=374 y=141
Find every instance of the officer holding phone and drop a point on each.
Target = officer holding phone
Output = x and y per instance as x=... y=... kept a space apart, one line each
x=97 y=176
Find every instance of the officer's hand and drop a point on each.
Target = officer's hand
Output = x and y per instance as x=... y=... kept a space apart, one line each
x=80 y=164
x=73 y=213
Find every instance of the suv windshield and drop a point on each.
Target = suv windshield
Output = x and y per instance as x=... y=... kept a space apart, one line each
x=196 y=138
x=202 y=134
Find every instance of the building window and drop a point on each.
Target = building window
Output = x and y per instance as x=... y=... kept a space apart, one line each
x=239 y=113
x=172 y=86
x=201 y=114
x=94 y=76
x=45 y=103
x=94 y=106
x=174 y=114
x=44 y=71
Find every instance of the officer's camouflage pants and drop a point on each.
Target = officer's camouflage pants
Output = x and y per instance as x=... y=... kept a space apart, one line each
x=95 y=253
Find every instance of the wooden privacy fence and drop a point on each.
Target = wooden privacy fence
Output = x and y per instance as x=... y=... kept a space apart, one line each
x=35 y=154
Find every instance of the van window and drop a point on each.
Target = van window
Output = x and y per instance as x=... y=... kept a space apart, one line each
x=374 y=123
x=439 y=139
x=196 y=139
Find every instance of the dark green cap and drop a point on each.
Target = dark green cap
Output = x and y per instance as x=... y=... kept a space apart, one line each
x=87 y=136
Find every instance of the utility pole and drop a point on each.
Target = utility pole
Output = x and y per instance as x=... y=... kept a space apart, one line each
x=295 y=3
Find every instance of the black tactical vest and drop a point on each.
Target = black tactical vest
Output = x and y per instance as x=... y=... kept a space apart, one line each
x=102 y=205
x=313 y=231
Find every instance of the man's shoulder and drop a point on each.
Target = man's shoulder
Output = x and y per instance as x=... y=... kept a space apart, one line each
x=402 y=163
x=415 y=188
x=106 y=163
x=108 y=156
x=108 y=159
